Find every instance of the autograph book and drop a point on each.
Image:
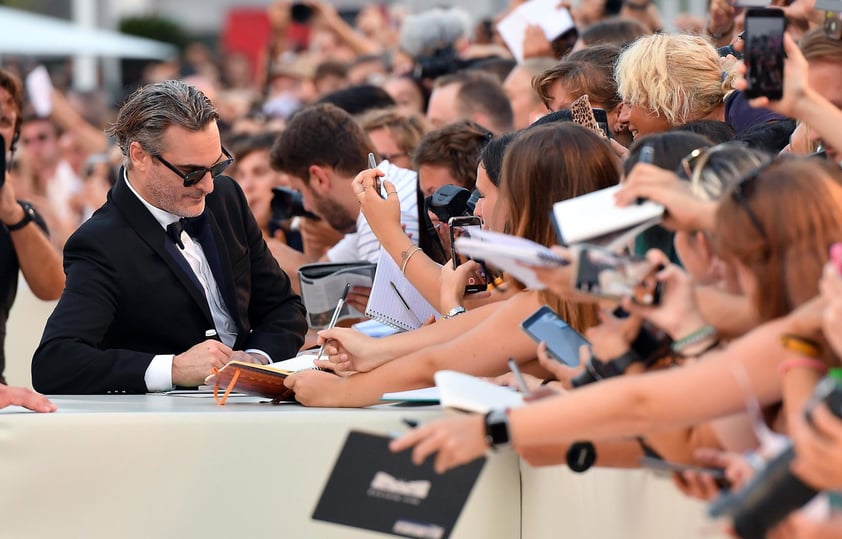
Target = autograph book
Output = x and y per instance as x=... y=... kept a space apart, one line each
x=262 y=380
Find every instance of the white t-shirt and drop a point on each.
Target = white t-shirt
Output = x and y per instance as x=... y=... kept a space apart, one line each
x=363 y=244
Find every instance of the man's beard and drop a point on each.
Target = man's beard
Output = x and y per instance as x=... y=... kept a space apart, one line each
x=335 y=215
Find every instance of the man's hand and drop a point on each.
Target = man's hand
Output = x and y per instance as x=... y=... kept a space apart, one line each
x=21 y=396
x=10 y=211
x=190 y=368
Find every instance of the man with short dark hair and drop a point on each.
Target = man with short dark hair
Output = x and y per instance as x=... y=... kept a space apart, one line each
x=322 y=149
x=470 y=95
x=171 y=278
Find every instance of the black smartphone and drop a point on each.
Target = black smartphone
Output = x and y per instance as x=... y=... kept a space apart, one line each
x=667 y=467
x=462 y=226
x=563 y=342
x=764 y=53
x=601 y=118
x=603 y=273
x=2 y=160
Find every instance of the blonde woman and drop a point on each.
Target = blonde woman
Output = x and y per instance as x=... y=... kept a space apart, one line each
x=667 y=80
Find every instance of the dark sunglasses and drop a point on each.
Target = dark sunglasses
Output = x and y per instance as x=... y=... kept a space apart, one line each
x=742 y=192
x=195 y=176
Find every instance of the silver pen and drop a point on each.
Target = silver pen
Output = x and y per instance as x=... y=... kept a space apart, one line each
x=372 y=164
x=335 y=317
x=518 y=377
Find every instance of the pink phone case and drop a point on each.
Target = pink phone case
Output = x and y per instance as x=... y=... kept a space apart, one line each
x=836 y=256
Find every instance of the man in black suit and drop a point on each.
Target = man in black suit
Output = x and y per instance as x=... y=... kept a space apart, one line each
x=149 y=306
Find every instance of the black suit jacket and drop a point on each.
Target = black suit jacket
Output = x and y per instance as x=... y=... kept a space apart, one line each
x=130 y=296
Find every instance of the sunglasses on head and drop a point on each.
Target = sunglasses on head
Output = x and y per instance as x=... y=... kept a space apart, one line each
x=742 y=192
x=195 y=175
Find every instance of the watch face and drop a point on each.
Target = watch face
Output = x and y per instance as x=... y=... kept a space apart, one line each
x=497 y=427
x=581 y=456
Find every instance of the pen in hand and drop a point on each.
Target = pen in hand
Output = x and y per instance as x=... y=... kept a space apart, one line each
x=335 y=317
x=372 y=164
x=518 y=377
x=405 y=304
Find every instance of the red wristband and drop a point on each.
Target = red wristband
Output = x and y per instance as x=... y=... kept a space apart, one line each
x=801 y=362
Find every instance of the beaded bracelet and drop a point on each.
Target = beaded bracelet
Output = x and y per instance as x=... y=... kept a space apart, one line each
x=801 y=362
x=697 y=336
x=406 y=255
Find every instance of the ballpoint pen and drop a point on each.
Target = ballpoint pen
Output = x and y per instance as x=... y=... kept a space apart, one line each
x=372 y=163
x=405 y=304
x=518 y=377
x=335 y=317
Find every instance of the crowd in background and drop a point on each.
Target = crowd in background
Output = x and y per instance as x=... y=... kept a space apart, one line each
x=744 y=248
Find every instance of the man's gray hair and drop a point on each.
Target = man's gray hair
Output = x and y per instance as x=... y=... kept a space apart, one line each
x=151 y=109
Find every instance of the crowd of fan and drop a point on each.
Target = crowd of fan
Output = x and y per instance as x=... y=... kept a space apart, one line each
x=752 y=189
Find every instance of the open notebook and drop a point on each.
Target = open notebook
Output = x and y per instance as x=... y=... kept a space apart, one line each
x=393 y=300
x=596 y=219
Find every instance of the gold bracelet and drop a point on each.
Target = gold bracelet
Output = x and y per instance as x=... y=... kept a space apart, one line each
x=406 y=255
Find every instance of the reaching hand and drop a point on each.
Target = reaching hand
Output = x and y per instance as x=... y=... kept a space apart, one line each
x=818 y=449
x=561 y=372
x=684 y=211
x=701 y=485
x=455 y=440
x=677 y=313
x=795 y=82
x=454 y=281
x=349 y=351
x=21 y=396
x=381 y=214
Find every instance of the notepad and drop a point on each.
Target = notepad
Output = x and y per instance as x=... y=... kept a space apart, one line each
x=547 y=14
x=596 y=219
x=393 y=300
x=472 y=394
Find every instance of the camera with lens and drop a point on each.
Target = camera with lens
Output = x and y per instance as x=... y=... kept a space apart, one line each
x=451 y=201
x=286 y=204
x=442 y=61
x=650 y=345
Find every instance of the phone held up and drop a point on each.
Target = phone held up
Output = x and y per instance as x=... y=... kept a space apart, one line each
x=764 y=53
x=603 y=273
x=459 y=227
x=563 y=342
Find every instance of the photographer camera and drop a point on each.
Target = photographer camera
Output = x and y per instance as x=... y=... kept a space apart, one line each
x=287 y=209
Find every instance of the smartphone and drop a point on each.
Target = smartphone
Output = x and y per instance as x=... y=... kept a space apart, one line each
x=764 y=53
x=459 y=227
x=2 y=159
x=665 y=466
x=601 y=118
x=372 y=163
x=563 y=342
x=603 y=273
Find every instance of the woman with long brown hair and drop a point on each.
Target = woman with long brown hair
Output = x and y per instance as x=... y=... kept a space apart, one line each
x=542 y=166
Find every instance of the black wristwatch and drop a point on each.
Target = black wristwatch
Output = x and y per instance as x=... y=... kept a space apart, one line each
x=497 y=428
x=28 y=217
x=581 y=456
